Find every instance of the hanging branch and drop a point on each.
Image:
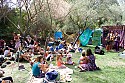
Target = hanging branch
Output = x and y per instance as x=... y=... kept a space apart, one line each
x=5 y=13
x=14 y=25
x=28 y=15
x=82 y=31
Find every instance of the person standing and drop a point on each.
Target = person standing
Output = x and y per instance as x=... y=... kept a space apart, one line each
x=117 y=40
x=111 y=40
x=16 y=38
x=108 y=42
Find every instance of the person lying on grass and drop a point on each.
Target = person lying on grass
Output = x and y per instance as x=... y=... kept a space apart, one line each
x=59 y=62
x=69 y=59
x=83 y=62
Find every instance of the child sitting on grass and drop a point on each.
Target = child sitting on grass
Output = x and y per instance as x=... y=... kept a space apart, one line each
x=59 y=62
x=69 y=59
x=83 y=62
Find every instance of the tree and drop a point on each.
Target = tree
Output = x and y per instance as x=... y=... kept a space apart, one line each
x=6 y=13
x=50 y=14
x=94 y=12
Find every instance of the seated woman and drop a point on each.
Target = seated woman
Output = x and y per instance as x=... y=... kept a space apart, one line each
x=91 y=58
x=59 y=62
x=26 y=55
x=71 y=48
x=69 y=59
x=83 y=62
x=7 y=52
x=31 y=46
x=39 y=66
x=12 y=46
x=38 y=50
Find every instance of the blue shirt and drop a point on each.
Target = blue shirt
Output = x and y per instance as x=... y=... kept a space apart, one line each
x=36 y=69
x=61 y=46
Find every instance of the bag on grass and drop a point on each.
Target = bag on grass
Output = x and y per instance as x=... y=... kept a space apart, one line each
x=98 y=50
x=52 y=75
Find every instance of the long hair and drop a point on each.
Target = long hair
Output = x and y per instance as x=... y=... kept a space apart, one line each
x=83 y=53
x=89 y=52
x=39 y=58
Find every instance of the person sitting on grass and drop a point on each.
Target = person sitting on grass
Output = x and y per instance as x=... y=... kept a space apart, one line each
x=26 y=55
x=71 y=48
x=50 y=56
x=39 y=66
x=7 y=52
x=83 y=62
x=44 y=67
x=38 y=50
x=69 y=59
x=91 y=58
x=59 y=62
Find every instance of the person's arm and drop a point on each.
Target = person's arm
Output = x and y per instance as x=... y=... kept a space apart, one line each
x=81 y=60
x=44 y=67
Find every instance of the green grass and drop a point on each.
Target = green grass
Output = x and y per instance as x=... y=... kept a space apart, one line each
x=112 y=70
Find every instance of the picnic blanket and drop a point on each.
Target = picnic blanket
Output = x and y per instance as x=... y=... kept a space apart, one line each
x=64 y=75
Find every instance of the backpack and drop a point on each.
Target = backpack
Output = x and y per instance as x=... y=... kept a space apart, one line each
x=52 y=75
x=102 y=52
x=99 y=51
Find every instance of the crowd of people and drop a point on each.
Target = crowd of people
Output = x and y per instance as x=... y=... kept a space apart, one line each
x=26 y=50
x=112 y=41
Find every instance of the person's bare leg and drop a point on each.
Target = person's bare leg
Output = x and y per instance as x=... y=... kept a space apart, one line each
x=81 y=69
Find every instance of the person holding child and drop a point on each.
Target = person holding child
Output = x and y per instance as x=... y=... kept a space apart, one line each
x=83 y=62
x=91 y=58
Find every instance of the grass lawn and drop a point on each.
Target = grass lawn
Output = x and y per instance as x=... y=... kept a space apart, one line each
x=112 y=70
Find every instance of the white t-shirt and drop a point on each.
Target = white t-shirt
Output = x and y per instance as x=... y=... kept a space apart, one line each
x=6 y=52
